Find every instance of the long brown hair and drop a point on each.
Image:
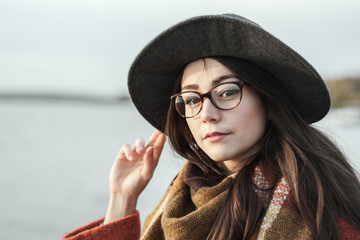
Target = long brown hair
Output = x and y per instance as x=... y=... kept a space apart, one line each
x=324 y=185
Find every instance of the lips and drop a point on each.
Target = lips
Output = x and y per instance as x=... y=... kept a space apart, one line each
x=215 y=136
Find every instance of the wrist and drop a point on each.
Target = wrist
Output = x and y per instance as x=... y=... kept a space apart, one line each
x=119 y=207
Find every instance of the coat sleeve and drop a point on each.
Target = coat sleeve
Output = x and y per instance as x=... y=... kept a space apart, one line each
x=127 y=228
x=348 y=232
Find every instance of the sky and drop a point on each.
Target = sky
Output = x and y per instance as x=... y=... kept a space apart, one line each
x=87 y=46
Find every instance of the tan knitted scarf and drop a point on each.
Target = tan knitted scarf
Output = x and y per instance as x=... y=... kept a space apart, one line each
x=192 y=203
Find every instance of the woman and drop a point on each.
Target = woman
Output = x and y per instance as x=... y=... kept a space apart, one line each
x=238 y=104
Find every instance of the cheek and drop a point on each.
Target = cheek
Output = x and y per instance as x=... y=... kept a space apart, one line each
x=195 y=127
x=259 y=122
x=253 y=121
x=192 y=126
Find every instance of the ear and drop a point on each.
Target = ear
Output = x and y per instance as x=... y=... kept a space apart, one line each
x=267 y=113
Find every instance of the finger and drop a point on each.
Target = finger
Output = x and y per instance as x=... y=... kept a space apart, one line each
x=149 y=165
x=159 y=146
x=152 y=156
x=139 y=146
x=153 y=138
x=126 y=152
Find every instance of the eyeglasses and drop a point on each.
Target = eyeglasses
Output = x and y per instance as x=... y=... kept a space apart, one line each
x=225 y=96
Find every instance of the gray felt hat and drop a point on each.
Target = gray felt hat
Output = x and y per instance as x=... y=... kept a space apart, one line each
x=154 y=71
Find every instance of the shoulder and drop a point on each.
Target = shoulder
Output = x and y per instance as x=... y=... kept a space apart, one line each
x=347 y=230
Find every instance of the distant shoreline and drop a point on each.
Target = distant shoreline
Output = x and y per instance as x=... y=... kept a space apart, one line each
x=344 y=92
x=62 y=97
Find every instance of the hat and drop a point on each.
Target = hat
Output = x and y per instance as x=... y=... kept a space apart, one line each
x=154 y=71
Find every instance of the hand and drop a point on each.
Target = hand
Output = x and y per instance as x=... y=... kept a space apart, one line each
x=134 y=167
x=131 y=172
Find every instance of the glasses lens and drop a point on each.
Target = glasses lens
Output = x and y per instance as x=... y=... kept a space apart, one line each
x=188 y=104
x=226 y=96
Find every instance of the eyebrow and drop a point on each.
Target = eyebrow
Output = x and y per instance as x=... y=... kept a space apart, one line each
x=214 y=82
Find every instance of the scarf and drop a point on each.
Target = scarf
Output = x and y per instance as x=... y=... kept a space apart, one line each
x=193 y=201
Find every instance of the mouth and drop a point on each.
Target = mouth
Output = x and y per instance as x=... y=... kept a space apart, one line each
x=215 y=136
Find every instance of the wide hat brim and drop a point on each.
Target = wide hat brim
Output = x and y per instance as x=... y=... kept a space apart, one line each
x=154 y=71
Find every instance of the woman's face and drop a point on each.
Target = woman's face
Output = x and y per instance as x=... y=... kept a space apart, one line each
x=226 y=136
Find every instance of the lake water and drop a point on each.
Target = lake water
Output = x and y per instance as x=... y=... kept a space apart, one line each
x=56 y=156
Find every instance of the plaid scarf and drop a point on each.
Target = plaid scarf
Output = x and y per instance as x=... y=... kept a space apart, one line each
x=193 y=201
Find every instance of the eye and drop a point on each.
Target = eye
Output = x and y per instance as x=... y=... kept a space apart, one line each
x=229 y=92
x=192 y=101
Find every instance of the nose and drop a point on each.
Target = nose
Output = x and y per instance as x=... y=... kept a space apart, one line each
x=209 y=112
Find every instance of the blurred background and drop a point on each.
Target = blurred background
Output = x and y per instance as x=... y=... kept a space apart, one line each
x=64 y=107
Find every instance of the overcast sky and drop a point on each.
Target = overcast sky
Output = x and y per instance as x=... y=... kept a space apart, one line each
x=87 y=46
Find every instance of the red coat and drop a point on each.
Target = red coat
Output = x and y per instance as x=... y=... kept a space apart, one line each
x=127 y=228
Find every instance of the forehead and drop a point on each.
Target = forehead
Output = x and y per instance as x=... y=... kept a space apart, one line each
x=204 y=71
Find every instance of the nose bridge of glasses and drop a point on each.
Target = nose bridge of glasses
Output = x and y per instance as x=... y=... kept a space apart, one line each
x=208 y=95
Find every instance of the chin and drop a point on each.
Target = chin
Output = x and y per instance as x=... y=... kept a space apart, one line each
x=219 y=158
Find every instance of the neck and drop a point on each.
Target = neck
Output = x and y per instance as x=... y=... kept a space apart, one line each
x=233 y=166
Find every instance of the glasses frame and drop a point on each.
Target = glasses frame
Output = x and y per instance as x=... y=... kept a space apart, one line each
x=208 y=95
